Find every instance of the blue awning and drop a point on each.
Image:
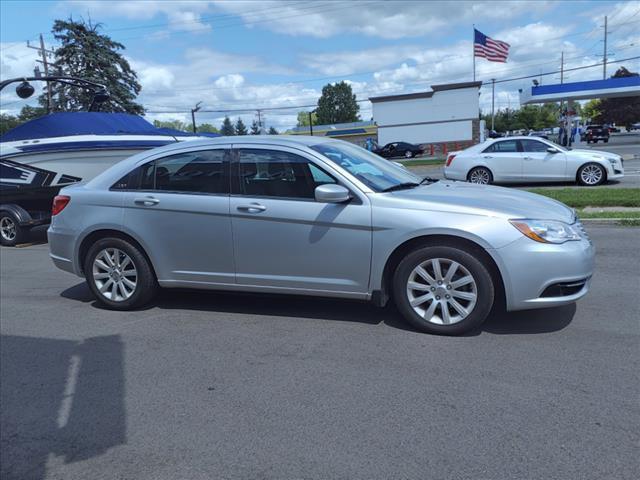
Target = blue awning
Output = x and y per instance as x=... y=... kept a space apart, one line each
x=65 y=124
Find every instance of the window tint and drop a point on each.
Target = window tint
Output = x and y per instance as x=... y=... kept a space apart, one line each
x=192 y=172
x=534 y=146
x=503 y=146
x=273 y=173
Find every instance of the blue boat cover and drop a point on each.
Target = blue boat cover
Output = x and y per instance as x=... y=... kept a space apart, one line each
x=64 y=124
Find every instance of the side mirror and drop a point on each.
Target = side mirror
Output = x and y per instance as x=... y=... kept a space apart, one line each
x=332 y=193
x=552 y=150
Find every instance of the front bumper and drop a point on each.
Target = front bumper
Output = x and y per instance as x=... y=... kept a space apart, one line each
x=532 y=272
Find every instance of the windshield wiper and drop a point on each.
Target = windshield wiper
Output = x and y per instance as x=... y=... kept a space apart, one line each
x=429 y=180
x=401 y=186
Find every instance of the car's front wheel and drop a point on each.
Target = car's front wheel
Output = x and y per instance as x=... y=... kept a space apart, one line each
x=443 y=290
x=408 y=154
x=591 y=175
x=119 y=275
x=480 y=175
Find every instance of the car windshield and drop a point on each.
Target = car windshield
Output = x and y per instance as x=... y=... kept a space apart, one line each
x=374 y=171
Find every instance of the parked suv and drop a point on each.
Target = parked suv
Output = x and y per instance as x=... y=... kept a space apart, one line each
x=593 y=133
x=303 y=215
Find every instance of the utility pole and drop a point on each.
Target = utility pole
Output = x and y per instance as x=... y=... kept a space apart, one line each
x=493 y=103
x=310 y=123
x=260 y=121
x=193 y=115
x=43 y=55
x=562 y=67
x=604 y=60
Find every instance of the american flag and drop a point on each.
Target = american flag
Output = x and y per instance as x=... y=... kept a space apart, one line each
x=487 y=47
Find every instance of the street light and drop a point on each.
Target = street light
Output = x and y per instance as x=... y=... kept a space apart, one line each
x=193 y=115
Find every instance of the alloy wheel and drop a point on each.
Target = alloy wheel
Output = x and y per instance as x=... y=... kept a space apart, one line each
x=480 y=176
x=591 y=174
x=442 y=291
x=8 y=229
x=114 y=274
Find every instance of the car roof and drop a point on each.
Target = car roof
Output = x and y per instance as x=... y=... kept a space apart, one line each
x=282 y=140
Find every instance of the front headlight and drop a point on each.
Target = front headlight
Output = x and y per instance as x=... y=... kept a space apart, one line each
x=612 y=161
x=546 y=231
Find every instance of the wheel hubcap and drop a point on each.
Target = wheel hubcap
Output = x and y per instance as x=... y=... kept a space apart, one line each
x=7 y=228
x=479 y=176
x=591 y=174
x=442 y=291
x=114 y=274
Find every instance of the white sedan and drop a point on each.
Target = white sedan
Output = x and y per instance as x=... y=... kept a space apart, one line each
x=527 y=160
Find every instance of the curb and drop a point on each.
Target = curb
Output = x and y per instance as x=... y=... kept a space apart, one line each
x=607 y=221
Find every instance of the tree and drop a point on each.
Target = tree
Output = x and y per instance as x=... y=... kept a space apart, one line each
x=273 y=131
x=255 y=128
x=303 y=119
x=87 y=54
x=621 y=111
x=241 y=129
x=227 y=127
x=337 y=104
x=591 y=109
x=207 y=128
x=7 y=122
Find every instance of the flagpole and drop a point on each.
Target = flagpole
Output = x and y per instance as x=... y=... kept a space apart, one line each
x=473 y=51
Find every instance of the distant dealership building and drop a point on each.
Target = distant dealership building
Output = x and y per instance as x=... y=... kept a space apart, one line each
x=354 y=132
x=448 y=114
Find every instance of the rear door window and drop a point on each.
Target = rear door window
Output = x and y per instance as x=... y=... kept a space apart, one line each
x=504 y=146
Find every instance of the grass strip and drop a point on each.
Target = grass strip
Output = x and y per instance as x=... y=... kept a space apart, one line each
x=593 y=197
x=419 y=163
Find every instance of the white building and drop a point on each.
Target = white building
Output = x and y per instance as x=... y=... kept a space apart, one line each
x=448 y=114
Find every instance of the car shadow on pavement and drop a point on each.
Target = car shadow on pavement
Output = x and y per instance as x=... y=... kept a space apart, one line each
x=61 y=401
x=499 y=322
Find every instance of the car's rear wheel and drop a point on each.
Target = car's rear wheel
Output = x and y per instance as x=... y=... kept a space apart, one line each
x=480 y=175
x=606 y=140
x=11 y=233
x=591 y=174
x=443 y=290
x=119 y=275
x=408 y=154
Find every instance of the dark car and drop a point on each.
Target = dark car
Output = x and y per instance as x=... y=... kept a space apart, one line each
x=593 y=133
x=399 y=149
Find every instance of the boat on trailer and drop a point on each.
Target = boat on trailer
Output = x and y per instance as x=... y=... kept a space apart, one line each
x=43 y=155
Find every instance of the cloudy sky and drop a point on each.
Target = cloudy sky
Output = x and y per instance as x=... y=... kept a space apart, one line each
x=242 y=55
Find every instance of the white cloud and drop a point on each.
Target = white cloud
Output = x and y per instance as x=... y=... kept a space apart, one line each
x=380 y=19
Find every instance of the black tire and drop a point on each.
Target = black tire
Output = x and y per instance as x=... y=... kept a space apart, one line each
x=583 y=181
x=606 y=140
x=485 y=290
x=11 y=233
x=146 y=284
x=480 y=172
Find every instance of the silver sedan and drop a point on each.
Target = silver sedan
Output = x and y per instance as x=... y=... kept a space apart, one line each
x=530 y=160
x=312 y=216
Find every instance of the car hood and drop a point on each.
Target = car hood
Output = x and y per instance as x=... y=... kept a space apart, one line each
x=472 y=199
x=592 y=153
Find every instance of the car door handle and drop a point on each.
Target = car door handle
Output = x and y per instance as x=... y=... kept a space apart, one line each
x=528 y=158
x=147 y=201
x=252 y=208
x=487 y=156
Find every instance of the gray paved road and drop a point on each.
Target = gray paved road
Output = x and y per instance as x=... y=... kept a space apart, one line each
x=211 y=386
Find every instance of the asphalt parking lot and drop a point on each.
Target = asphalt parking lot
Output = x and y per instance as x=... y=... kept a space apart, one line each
x=206 y=385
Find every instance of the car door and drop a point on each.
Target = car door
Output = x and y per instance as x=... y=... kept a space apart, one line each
x=178 y=207
x=504 y=159
x=539 y=164
x=283 y=237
